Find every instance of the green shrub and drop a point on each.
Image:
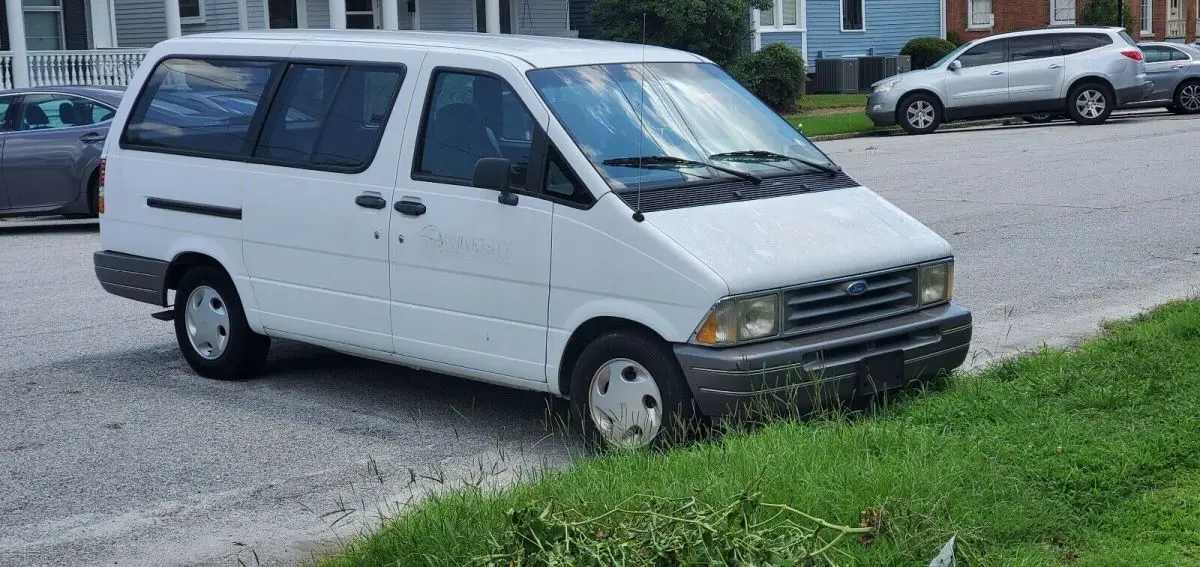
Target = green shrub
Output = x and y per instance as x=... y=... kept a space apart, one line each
x=953 y=37
x=717 y=29
x=774 y=74
x=925 y=51
x=1104 y=13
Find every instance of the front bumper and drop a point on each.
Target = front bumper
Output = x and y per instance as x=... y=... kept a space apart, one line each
x=881 y=108
x=801 y=372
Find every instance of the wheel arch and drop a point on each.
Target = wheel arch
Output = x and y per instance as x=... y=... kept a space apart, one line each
x=921 y=91
x=588 y=331
x=1104 y=82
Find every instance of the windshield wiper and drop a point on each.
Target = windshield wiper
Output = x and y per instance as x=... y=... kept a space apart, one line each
x=829 y=168
x=661 y=161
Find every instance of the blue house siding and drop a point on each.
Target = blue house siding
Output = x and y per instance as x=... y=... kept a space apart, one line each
x=543 y=17
x=443 y=15
x=890 y=24
x=792 y=39
x=140 y=23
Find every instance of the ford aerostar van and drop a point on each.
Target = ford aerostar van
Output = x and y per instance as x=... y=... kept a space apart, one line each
x=624 y=226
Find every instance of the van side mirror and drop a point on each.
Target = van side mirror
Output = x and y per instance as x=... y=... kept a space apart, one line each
x=495 y=173
x=955 y=65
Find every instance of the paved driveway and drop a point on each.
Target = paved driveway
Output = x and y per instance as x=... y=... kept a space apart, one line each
x=112 y=453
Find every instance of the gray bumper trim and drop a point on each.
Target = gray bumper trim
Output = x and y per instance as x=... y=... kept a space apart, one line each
x=931 y=341
x=132 y=277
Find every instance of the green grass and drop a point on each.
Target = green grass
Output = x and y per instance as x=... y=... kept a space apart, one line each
x=1089 y=457
x=825 y=101
x=826 y=124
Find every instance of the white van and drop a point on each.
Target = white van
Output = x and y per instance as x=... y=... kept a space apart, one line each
x=624 y=226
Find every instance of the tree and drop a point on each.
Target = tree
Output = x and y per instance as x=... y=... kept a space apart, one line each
x=717 y=29
x=1104 y=13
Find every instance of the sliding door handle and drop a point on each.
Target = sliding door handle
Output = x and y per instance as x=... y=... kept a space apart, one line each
x=369 y=201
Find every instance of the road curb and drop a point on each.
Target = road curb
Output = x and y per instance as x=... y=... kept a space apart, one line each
x=894 y=132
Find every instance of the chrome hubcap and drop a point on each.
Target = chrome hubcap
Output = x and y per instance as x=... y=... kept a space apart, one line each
x=207 y=320
x=1189 y=98
x=1090 y=103
x=920 y=114
x=625 y=403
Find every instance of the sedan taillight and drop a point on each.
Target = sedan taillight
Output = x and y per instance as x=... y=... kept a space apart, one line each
x=100 y=189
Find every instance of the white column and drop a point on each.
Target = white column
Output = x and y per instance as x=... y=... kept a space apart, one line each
x=102 y=35
x=391 y=14
x=172 y=12
x=416 y=16
x=16 y=42
x=492 y=11
x=243 y=17
x=337 y=14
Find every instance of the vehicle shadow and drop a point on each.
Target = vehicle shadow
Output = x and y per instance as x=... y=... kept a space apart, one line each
x=47 y=225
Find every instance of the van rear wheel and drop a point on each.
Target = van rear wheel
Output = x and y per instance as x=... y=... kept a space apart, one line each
x=211 y=327
x=627 y=391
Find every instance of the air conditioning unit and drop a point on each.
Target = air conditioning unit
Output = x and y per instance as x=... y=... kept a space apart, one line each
x=836 y=76
x=874 y=68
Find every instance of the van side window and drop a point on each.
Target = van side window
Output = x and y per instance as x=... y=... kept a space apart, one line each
x=561 y=183
x=200 y=106
x=468 y=117
x=328 y=115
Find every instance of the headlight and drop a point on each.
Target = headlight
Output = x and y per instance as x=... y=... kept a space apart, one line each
x=887 y=86
x=734 y=320
x=936 y=282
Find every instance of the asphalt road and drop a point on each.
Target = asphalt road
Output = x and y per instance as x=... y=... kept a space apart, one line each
x=113 y=453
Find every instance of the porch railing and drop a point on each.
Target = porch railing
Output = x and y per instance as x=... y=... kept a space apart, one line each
x=1176 y=28
x=97 y=67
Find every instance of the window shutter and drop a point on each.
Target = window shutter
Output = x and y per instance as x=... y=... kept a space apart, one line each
x=75 y=25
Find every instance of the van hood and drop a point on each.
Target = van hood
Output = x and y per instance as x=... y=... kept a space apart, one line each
x=769 y=243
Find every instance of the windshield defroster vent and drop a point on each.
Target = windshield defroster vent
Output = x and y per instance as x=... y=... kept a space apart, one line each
x=697 y=195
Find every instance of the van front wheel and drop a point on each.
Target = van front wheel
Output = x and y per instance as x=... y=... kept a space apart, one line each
x=627 y=391
x=211 y=327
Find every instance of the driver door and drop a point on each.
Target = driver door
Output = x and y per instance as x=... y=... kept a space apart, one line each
x=980 y=86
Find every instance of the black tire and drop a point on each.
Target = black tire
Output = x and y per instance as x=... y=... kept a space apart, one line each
x=678 y=413
x=1187 y=98
x=1041 y=118
x=919 y=105
x=1100 y=94
x=93 y=196
x=244 y=350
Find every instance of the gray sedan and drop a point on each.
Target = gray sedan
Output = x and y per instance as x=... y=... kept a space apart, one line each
x=50 y=144
x=1174 y=68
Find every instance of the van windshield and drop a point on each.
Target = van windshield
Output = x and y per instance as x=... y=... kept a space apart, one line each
x=669 y=124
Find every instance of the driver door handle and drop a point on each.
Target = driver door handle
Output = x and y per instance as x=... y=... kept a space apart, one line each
x=411 y=208
x=368 y=201
x=997 y=72
x=1055 y=66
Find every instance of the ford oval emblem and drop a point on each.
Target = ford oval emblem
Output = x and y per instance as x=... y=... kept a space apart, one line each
x=857 y=287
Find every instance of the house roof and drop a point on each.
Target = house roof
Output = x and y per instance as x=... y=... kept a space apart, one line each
x=536 y=50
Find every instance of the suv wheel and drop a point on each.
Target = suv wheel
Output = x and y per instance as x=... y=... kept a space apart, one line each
x=1040 y=118
x=1090 y=103
x=1187 y=98
x=919 y=114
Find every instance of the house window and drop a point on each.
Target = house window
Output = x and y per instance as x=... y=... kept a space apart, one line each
x=1147 y=18
x=191 y=11
x=1062 y=12
x=784 y=14
x=854 y=15
x=43 y=25
x=979 y=14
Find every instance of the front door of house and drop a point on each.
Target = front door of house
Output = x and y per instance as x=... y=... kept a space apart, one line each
x=362 y=14
x=506 y=18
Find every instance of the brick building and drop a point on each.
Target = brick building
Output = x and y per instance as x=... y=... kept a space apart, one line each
x=1170 y=20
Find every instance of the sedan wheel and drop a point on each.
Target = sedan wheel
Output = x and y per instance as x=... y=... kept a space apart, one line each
x=1188 y=98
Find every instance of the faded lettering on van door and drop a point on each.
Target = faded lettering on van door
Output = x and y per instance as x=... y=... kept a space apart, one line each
x=436 y=243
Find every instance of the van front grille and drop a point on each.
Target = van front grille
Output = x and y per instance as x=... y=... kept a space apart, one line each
x=833 y=304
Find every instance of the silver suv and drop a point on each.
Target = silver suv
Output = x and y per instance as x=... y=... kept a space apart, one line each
x=1083 y=71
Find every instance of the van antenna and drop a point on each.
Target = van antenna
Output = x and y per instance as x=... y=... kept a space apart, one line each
x=637 y=211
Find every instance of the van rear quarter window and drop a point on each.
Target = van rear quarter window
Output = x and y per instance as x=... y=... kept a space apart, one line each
x=301 y=114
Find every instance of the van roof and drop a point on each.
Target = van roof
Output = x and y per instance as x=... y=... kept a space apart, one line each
x=536 y=50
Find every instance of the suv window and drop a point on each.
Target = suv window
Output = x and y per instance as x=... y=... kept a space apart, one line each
x=986 y=53
x=328 y=115
x=1072 y=43
x=1024 y=48
x=471 y=116
x=180 y=109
